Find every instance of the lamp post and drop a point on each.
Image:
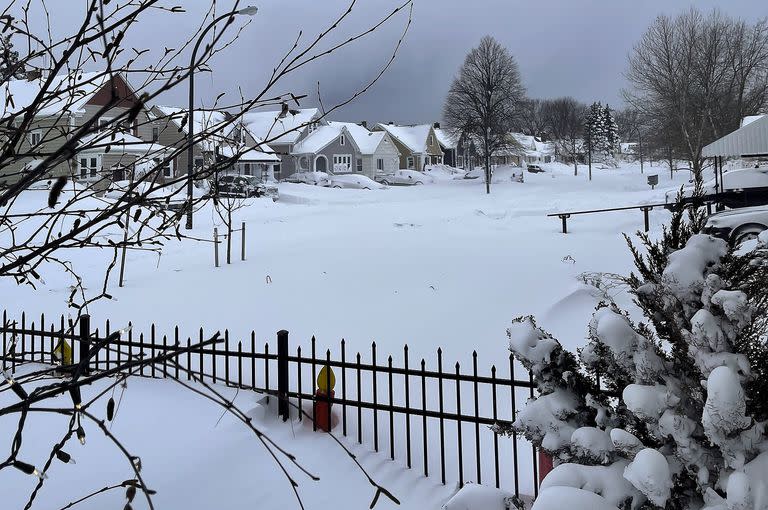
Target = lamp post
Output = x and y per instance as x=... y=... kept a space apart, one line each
x=247 y=11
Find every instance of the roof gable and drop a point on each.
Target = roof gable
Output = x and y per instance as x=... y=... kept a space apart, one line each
x=268 y=125
x=415 y=138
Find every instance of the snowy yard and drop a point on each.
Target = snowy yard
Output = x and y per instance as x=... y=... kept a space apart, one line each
x=440 y=265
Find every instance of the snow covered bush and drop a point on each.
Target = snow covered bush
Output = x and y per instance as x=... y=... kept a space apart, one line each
x=670 y=412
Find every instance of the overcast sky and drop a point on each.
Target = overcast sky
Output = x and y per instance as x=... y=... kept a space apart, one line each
x=563 y=47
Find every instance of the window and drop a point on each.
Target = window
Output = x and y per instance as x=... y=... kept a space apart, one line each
x=276 y=171
x=304 y=163
x=431 y=140
x=166 y=166
x=460 y=161
x=410 y=161
x=380 y=164
x=155 y=134
x=198 y=162
x=247 y=169
x=35 y=137
x=342 y=163
x=359 y=164
x=89 y=167
x=342 y=140
x=312 y=126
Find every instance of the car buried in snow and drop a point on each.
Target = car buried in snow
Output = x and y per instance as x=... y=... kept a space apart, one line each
x=737 y=225
x=746 y=187
x=314 y=178
x=352 y=181
x=243 y=186
x=404 y=178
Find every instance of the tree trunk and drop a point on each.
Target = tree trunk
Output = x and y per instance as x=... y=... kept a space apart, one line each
x=229 y=235
x=487 y=173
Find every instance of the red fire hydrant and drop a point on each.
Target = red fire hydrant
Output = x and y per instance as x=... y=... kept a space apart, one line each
x=323 y=410
x=545 y=465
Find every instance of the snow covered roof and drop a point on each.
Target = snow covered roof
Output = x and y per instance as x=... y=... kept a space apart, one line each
x=205 y=120
x=120 y=142
x=750 y=119
x=749 y=140
x=318 y=139
x=67 y=93
x=268 y=125
x=533 y=146
x=366 y=141
x=413 y=137
x=448 y=138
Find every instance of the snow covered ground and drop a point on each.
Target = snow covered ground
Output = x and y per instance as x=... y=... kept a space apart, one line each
x=441 y=265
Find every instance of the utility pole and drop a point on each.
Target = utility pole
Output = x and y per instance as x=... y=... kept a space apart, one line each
x=589 y=148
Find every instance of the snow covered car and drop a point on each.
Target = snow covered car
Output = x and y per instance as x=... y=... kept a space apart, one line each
x=741 y=188
x=314 y=178
x=404 y=178
x=737 y=225
x=535 y=169
x=244 y=186
x=354 y=181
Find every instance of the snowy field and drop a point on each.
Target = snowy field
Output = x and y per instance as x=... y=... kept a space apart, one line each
x=441 y=265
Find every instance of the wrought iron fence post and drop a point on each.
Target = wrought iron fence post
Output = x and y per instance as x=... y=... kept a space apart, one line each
x=85 y=342
x=282 y=374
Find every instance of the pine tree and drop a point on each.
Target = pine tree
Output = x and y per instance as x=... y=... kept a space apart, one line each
x=594 y=129
x=610 y=132
x=9 y=61
x=687 y=430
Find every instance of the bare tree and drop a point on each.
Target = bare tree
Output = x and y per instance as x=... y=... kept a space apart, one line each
x=703 y=73
x=485 y=98
x=564 y=118
x=531 y=119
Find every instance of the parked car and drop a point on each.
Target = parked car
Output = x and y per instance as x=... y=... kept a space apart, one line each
x=404 y=178
x=737 y=225
x=243 y=186
x=535 y=169
x=741 y=188
x=314 y=178
x=354 y=181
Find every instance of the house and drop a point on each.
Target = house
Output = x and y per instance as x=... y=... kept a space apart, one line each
x=378 y=152
x=75 y=99
x=328 y=148
x=449 y=143
x=418 y=145
x=228 y=138
x=283 y=132
x=533 y=149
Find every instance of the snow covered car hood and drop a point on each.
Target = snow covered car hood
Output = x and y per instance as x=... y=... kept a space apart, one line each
x=736 y=217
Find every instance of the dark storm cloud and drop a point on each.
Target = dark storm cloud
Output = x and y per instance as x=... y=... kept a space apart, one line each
x=563 y=47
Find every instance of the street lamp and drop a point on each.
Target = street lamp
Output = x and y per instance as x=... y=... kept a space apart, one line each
x=246 y=11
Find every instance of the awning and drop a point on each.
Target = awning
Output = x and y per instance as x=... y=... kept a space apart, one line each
x=749 y=140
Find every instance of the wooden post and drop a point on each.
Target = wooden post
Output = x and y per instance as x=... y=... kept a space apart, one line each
x=216 y=246
x=565 y=217
x=242 y=239
x=282 y=374
x=85 y=341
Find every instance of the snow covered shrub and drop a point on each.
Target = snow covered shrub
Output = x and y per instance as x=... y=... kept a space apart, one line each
x=678 y=417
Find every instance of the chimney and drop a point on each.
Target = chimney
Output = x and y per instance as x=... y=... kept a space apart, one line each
x=437 y=125
x=364 y=124
x=391 y=123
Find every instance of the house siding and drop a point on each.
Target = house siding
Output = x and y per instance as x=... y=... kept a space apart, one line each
x=335 y=148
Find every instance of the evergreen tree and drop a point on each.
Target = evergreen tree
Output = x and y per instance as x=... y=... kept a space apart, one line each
x=594 y=129
x=9 y=61
x=679 y=419
x=610 y=132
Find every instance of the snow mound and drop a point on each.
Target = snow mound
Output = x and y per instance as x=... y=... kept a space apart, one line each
x=650 y=474
x=593 y=443
x=478 y=497
x=648 y=402
x=530 y=342
x=558 y=498
x=685 y=272
x=605 y=481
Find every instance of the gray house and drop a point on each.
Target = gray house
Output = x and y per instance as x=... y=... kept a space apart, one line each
x=329 y=148
x=377 y=149
x=283 y=132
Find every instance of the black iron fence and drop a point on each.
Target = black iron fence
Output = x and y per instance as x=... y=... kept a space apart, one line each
x=433 y=416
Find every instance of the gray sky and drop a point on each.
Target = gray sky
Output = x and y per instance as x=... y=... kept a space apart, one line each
x=563 y=47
